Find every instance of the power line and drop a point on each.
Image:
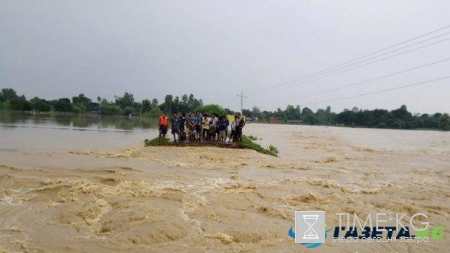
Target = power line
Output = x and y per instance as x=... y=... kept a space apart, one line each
x=363 y=65
x=384 y=49
x=361 y=82
x=345 y=63
x=361 y=61
x=378 y=91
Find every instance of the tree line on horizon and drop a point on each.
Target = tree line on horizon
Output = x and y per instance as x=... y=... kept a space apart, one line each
x=399 y=118
x=124 y=105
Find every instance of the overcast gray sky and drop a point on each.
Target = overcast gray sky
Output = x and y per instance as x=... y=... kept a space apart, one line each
x=215 y=49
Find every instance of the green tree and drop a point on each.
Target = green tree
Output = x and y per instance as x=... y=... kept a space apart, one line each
x=146 y=105
x=308 y=116
x=256 y=112
x=81 y=99
x=196 y=103
x=321 y=117
x=9 y=94
x=211 y=108
x=330 y=116
x=184 y=99
x=40 y=105
x=292 y=113
x=176 y=104
x=126 y=100
x=20 y=104
x=108 y=109
x=154 y=102
x=279 y=114
x=401 y=113
x=247 y=113
x=444 y=123
x=403 y=118
x=79 y=108
x=167 y=105
x=154 y=112
x=191 y=100
x=399 y=124
x=137 y=107
x=429 y=121
x=63 y=105
x=128 y=110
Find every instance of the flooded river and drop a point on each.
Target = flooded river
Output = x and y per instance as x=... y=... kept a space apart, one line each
x=88 y=184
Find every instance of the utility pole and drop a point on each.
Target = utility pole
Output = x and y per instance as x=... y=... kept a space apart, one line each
x=242 y=100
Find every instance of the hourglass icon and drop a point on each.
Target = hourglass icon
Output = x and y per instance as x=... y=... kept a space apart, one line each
x=310 y=233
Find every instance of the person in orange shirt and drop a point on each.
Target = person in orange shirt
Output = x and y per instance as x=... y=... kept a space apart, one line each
x=163 y=123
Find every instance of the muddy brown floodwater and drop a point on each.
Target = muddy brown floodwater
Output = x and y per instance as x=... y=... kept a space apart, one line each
x=205 y=199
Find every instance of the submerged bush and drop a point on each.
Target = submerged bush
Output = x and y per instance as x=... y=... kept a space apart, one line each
x=110 y=110
x=153 y=113
x=128 y=110
x=273 y=149
x=251 y=137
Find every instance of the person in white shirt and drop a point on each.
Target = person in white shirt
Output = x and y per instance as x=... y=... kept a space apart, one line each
x=233 y=130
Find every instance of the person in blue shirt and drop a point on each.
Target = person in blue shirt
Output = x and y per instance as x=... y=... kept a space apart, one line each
x=192 y=120
x=222 y=129
x=227 y=123
x=198 y=126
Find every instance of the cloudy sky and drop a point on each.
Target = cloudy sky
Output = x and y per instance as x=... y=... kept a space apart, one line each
x=216 y=49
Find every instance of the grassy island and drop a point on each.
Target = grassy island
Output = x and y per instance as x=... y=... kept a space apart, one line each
x=246 y=143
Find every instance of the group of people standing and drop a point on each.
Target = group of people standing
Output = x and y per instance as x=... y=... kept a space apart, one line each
x=201 y=127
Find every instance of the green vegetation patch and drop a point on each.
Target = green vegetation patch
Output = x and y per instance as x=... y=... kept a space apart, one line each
x=246 y=143
x=250 y=144
x=211 y=108
x=254 y=138
x=157 y=142
x=273 y=149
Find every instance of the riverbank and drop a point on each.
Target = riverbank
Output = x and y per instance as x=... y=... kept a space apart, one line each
x=150 y=121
